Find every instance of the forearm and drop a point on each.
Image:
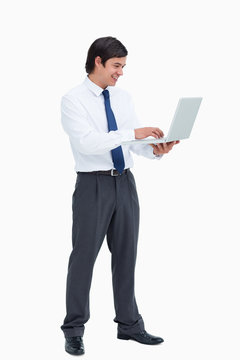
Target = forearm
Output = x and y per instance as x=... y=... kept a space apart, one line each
x=144 y=150
x=93 y=142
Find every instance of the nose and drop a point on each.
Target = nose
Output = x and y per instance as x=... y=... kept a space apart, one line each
x=120 y=72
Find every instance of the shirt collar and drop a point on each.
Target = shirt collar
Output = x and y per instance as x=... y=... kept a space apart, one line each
x=97 y=90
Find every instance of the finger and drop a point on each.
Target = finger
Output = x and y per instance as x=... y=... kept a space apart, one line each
x=155 y=149
x=155 y=134
x=158 y=132
x=173 y=142
x=165 y=146
x=153 y=146
x=161 y=132
x=170 y=145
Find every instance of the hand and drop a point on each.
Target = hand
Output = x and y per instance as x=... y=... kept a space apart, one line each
x=142 y=133
x=163 y=148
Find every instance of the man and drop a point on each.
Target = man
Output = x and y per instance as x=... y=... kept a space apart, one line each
x=98 y=117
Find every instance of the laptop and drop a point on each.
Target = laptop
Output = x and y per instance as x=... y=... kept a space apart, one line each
x=181 y=125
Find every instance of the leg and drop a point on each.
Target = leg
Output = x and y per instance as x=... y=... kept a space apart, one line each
x=93 y=204
x=122 y=237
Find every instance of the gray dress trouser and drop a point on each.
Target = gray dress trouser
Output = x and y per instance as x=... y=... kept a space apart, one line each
x=103 y=205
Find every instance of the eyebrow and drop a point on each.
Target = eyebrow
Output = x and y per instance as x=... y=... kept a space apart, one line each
x=117 y=63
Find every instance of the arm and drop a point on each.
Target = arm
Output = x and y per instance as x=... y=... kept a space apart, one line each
x=146 y=150
x=151 y=151
x=141 y=133
x=85 y=138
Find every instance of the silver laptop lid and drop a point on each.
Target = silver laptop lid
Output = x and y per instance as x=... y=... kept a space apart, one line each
x=184 y=118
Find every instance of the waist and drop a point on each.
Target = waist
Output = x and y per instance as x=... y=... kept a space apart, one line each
x=111 y=172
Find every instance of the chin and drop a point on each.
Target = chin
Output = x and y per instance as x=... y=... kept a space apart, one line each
x=112 y=82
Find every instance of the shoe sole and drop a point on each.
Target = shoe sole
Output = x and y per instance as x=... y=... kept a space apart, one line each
x=80 y=353
x=124 y=337
x=127 y=337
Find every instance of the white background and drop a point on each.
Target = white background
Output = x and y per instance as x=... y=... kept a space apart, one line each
x=187 y=274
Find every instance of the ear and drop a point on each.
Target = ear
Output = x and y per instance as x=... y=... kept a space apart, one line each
x=98 y=61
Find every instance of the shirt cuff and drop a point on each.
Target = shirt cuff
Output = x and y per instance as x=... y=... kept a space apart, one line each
x=148 y=152
x=157 y=157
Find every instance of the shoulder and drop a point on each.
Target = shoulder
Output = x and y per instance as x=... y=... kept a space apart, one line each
x=76 y=91
x=75 y=98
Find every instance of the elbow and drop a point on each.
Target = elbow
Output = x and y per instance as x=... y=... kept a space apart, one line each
x=84 y=144
x=92 y=144
x=87 y=148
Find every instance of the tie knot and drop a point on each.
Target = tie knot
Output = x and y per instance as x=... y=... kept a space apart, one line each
x=106 y=94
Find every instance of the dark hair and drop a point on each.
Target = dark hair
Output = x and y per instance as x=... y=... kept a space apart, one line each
x=105 y=47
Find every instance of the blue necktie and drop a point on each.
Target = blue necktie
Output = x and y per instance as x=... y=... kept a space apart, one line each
x=117 y=153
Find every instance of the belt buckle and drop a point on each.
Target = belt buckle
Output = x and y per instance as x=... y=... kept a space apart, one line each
x=112 y=173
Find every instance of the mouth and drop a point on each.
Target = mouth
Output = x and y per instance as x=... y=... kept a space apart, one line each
x=115 y=77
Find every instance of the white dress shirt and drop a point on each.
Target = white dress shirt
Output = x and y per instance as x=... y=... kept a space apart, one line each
x=84 y=120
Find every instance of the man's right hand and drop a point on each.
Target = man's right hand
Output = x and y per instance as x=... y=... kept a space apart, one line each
x=142 y=133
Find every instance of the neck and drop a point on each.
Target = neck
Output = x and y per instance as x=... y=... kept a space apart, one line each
x=96 y=80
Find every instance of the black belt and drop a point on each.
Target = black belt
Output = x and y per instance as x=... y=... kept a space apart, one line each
x=111 y=172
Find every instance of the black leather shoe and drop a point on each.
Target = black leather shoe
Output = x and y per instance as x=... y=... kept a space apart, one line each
x=142 y=337
x=74 y=345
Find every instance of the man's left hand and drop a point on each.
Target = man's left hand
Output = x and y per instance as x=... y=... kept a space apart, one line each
x=163 y=148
